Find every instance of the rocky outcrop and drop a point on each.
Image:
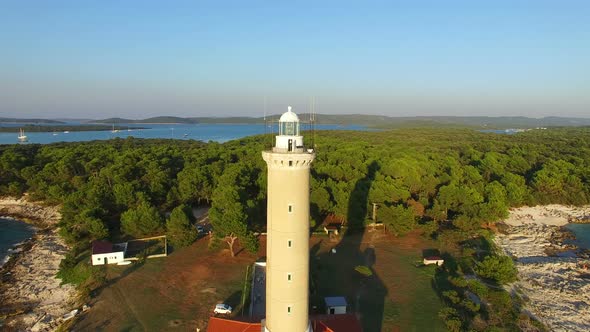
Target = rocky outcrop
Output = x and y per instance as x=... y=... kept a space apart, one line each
x=34 y=213
x=32 y=297
x=553 y=279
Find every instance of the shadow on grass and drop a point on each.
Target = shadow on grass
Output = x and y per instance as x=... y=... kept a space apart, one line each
x=135 y=265
x=333 y=272
x=430 y=252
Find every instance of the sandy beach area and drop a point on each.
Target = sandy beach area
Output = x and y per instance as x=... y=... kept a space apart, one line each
x=31 y=296
x=552 y=278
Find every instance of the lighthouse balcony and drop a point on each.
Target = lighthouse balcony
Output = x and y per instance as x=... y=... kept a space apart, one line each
x=299 y=149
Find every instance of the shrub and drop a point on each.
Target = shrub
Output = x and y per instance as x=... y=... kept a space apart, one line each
x=498 y=268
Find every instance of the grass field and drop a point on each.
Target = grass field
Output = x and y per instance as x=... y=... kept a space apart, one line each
x=399 y=295
x=178 y=293
x=174 y=293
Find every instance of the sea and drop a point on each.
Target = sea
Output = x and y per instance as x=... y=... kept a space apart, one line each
x=202 y=132
x=12 y=233
x=582 y=233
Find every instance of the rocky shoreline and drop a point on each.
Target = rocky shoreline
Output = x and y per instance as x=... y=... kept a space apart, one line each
x=554 y=279
x=31 y=296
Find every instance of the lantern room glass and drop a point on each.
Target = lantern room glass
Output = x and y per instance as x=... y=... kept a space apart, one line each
x=289 y=129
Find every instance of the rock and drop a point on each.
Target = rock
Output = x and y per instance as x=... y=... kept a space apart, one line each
x=29 y=281
x=557 y=293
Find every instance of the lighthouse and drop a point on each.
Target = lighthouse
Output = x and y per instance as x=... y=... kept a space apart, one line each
x=287 y=261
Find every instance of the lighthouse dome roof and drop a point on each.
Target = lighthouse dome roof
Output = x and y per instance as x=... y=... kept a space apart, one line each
x=289 y=116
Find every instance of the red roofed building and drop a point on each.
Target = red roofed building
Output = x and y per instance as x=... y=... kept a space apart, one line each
x=104 y=252
x=226 y=325
x=321 y=323
x=336 y=323
x=434 y=260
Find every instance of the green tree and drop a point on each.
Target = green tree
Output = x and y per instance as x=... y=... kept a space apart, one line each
x=498 y=268
x=142 y=221
x=179 y=228
x=228 y=211
x=93 y=226
x=398 y=219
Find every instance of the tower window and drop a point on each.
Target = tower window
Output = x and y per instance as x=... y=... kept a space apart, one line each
x=290 y=243
x=289 y=277
x=289 y=309
x=290 y=208
x=291 y=163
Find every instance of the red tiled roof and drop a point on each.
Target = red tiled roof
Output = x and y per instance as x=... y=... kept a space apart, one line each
x=333 y=225
x=101 y=247
x=226 y=325
x=320 y=323
x=336 y=323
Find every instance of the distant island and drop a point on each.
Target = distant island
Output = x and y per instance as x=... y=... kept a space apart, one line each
x=40 y=128
x=378 y=121
x=16 y=120
x=374 y=121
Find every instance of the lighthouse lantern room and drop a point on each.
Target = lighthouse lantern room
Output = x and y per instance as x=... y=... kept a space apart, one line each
x=289 y=138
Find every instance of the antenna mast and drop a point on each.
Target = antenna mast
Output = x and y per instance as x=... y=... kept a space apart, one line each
x=312 y=121
x=266 y=124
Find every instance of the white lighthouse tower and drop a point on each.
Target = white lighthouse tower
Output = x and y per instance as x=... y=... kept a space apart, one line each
x=287 y=264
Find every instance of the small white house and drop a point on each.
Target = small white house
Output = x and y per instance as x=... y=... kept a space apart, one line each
x=335 y=305
x=104 y=252
x=434 y=260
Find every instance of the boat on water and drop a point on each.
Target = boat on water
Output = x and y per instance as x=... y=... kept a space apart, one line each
x=21 y=136
x=66 y=132
x=124 y=263
x=114 y=130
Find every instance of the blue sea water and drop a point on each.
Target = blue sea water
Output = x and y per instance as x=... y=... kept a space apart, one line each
x=12 y=232
x=203 y=132
x=582 y=232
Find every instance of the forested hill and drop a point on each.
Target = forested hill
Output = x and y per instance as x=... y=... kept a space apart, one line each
x=481 y=122
x=17 y=120
x=29 y=128
x=153 y=120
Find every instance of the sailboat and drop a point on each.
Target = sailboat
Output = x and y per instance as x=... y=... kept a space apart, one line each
x=21 y=136
x=114 y=130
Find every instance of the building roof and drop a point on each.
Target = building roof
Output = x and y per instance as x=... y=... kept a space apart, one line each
x=289 y=116
x=333 y=225
x=335 y=301
x=101 y=247
x=226 y=325
x=434 y=258
x=320 y=323
x=336 y=323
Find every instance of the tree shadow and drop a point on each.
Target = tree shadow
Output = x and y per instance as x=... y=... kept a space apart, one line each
x=234 y=300
x=333 y=271
x=429 y=252
x=130 y=269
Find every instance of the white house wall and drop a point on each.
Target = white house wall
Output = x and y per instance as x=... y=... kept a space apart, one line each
x=111 y=258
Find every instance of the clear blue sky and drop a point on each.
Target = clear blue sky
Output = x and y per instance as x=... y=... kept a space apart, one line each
x=137 y=59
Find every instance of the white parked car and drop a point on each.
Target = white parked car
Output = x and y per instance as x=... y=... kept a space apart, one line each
x=222 y=308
